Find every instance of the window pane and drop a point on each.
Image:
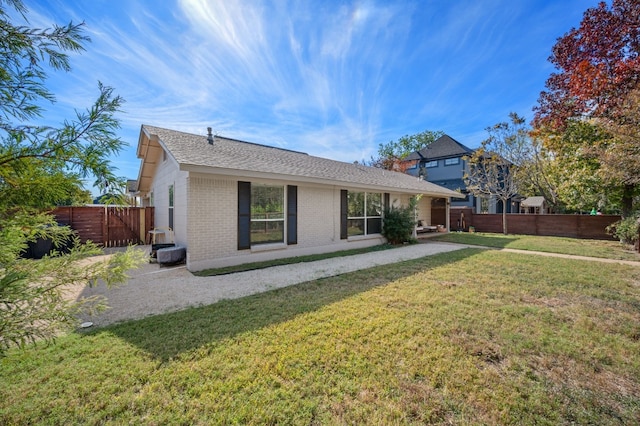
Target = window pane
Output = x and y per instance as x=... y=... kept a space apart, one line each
x=484 y=205
x=267 y=202
x=267 y=232
x=356 y=204
x=355 y=227
x=374 y=204
x=267 y=214
x=451 y=161
x=374 y=225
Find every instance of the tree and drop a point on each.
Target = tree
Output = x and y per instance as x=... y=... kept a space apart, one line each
x=540 y=175
x=576 y=168
x=391 y=154
x=41 y=166
x=621 y=154
x=493 y=168
x=598 y=75
x=536 y=165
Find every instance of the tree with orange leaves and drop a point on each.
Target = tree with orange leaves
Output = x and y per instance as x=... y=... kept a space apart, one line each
x=598 y=82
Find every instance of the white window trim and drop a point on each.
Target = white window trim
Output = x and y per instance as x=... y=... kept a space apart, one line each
x=365 y=217
x=274 y=245
x=450 y=161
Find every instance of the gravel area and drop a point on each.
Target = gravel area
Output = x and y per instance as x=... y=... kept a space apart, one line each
x=153 y=289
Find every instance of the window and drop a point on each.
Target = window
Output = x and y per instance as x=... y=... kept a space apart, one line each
x=261 y=214
x=364 y=213
x=451 y=161
x=267 y=214
x=430 y=164
x=484 y=205
x=171 y=206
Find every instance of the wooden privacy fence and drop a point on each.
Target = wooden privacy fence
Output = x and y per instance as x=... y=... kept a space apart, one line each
x=558 y=225
x=108 y=226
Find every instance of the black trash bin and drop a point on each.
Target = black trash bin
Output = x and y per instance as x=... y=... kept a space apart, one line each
x=38 y=249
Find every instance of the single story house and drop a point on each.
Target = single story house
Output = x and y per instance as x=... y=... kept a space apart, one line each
x=231 y=202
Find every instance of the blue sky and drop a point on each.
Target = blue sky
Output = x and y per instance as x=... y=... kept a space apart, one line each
x=330 y=78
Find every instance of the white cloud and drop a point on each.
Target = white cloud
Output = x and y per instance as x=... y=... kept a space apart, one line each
x=331 y=79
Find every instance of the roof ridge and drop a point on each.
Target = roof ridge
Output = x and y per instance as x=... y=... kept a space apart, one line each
x=443 y=140
x=229 y=139
x=459 y=143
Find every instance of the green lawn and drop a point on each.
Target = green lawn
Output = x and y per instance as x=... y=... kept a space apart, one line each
x=468 y=337
x=609 y=249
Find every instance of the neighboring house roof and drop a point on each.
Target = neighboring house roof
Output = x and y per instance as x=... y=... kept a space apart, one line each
x=533 y=202
x=443 y=147
x=249 y=160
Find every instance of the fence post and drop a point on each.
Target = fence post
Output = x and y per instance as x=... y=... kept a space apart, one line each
x=105 y=227
x=141 y=216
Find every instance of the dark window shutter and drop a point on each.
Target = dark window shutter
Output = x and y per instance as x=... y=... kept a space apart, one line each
x=386 y=205
x=292 y=214
x=244 y=215
x=344 y=209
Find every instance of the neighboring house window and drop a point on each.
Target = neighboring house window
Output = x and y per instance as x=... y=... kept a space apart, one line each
x=451 y=161
x=484 y=205
x=267 y=214
x=364 y=213
x=430 y=164
x=171 y=206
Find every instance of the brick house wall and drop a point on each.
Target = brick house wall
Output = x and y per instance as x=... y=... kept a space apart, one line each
x=213 y=225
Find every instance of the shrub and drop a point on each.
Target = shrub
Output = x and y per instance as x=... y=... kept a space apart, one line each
x=626 y=230
x=398 y=225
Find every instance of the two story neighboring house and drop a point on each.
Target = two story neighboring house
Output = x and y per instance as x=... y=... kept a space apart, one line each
x=442 y=163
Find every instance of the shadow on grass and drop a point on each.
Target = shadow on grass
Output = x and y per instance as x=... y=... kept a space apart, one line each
x=167 y=336
x=477 y=239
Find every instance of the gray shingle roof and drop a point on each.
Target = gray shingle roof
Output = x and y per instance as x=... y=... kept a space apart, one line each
x=229 y=156
x=443 y=147
x=533 y=202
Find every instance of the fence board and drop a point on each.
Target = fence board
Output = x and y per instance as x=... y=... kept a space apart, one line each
x=107 y=226
x=559 y=225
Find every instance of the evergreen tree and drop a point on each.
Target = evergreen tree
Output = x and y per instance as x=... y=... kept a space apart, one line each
x=40 y=167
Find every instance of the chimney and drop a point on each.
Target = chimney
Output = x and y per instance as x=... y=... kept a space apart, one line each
x=209 y=136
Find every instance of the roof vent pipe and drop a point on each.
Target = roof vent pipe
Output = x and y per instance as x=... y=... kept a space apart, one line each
x=209 y=136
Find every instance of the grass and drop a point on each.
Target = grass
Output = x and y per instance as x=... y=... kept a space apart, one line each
x=288 y=261
x=592 y=248
x=467 y=337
